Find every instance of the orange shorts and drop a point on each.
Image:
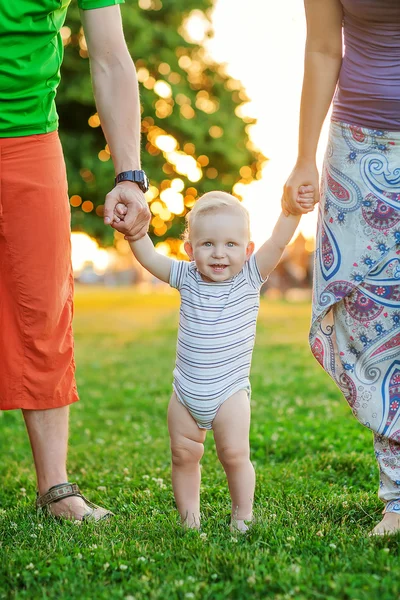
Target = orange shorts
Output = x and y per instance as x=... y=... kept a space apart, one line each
x=37 y=369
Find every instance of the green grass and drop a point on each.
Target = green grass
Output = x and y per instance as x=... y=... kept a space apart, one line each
x=316 y=476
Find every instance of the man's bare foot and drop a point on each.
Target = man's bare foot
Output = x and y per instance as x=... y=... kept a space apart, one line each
x=389 y=525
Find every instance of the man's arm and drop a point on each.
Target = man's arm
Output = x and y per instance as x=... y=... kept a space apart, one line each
x=157 y=264
x=117 y=99
x=269 y=254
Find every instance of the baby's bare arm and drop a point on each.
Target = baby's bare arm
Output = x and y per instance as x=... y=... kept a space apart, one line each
x=269 y=254
x=157 y=264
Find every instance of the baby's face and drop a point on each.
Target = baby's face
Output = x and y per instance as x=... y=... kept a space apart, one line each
x=219 y=244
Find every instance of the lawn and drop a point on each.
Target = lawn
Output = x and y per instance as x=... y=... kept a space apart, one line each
x=316 y=476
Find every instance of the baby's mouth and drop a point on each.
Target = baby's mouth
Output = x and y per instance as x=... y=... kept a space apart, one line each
x=218 y=267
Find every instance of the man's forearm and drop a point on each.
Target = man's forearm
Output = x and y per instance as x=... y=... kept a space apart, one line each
x=117 y=99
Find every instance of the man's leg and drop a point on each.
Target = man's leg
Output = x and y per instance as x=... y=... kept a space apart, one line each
x=48 y=434
x=37 y=369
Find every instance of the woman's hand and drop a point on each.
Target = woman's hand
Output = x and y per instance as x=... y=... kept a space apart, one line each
x=303 y=182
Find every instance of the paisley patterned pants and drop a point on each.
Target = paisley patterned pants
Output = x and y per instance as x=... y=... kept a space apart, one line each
x=355 y=330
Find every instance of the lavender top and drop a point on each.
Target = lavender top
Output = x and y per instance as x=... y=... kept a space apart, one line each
x=368 y=93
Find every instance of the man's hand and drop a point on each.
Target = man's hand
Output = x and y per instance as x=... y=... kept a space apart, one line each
x=135 y=222
x=306 y=177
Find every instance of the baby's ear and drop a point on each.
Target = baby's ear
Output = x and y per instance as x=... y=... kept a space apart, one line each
x=249 y=249
x=188 y=249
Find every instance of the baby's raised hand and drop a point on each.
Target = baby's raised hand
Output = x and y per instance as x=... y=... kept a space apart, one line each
x=305 y=198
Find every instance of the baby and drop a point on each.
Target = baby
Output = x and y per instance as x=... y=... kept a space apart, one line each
x=220 y=289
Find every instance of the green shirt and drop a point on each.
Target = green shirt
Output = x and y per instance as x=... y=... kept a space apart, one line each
x=31 y=52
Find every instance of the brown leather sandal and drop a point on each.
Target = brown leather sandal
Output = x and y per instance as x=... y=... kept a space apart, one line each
x=66 y=490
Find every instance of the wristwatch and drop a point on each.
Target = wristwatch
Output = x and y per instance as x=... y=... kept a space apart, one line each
x=138 y=177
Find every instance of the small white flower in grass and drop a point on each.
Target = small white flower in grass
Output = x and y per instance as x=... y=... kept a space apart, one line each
x=13 y=525
x=40 y=526
x=79 y=556
x=273 y=516
x=319 y=534
x=33 y=535
x=295 y=568
x=102 y=488
x=105 y=566
x=30 y=566
x=145 y=476
x=141 y=559
x=109 y=422
x=203 y=536
x=345 y=504
x=23 y=491
x=100 y=441
x=234 y=540
x=127 y=478
x=159 y=481
x=191 y=579
x=126 y=471
x=333 y=546
x=129 y=597
x=385 y=549
x=36 y=572
x=93 y=546
x=290 y=538
x=2 y=511
x=189 y=595
x=214 y=576
x=123 y=567
x=147 y=491
x=179 y=583
x=251 y=580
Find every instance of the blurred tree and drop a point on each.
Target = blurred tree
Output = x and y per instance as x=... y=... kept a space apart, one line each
x=193 y=137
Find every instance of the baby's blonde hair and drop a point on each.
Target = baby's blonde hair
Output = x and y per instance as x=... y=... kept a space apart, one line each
x=212 y=202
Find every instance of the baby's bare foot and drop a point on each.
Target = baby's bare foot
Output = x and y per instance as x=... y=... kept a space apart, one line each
x=240 y=525
x=192 y=522
x=389 y=525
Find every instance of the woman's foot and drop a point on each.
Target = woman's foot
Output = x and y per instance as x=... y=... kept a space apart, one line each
x=389 y=525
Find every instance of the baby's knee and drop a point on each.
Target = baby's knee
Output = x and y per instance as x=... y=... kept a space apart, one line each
x=186 y=451
x=231 y=456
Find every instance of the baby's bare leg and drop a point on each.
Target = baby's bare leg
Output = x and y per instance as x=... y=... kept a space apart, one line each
x=231 y=433
x=187 y=449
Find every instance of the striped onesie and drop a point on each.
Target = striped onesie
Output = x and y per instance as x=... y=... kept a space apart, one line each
x=217 y=328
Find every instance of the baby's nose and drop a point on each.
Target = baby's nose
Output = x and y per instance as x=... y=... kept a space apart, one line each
x=219 y=251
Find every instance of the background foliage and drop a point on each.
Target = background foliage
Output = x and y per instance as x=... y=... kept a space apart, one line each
x=197 y=104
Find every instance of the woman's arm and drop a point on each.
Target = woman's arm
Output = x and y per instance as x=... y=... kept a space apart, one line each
x=269 y=254
x=157 y=264
x=323 y=59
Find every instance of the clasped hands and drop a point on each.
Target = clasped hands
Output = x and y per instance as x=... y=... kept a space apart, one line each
x=127 y=211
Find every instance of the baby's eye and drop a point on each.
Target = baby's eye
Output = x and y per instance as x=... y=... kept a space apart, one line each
x=231 y=244
x=207 y=244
